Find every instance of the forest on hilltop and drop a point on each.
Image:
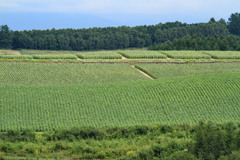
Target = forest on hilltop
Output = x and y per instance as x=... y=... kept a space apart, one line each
x=110 y=38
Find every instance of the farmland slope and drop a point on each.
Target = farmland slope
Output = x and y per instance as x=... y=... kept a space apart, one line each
x=178 y=100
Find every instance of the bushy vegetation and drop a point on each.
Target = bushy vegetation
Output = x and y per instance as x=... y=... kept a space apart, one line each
x=186 y=55
x=175 y=70
x=42 y=74
x=203 y=141
x=200 y=43
x=143 y=54
x=181 y=100
x=99 y=55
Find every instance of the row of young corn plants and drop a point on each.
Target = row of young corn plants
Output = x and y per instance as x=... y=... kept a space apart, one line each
x=99 y=55
x=181 y=100
x=55 y=56
x=134 y=54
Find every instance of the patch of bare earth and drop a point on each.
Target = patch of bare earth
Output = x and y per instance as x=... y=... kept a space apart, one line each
x=124 y=57
x=145 y=74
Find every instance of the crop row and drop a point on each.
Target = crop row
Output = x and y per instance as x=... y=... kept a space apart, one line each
x=186 y=55
x=182 y=100
x=224 y=54
x=175 y=70
x=25 y=74
x=99 y=55
x=143 y=54
x=131 y=54
x=62 y=56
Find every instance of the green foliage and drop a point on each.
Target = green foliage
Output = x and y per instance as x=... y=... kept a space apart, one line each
x=223 y=43
x=182 y=155
x=5 y=37
x=234 y=156
x=99 y=55
x=146 y=153
x=112 y=37
x=60 y=56
x=212 y=141
x=143 y=54
x=186 y=55
x=153 y=144
x=224 y=54
x=188 y=100
x=175 y=70
x=17 y=135
x=40 y=74
x=234 y=24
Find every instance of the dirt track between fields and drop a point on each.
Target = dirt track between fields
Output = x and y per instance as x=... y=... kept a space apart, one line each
x=145 y=74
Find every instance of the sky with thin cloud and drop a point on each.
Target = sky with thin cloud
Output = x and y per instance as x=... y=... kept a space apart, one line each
x=47 y=14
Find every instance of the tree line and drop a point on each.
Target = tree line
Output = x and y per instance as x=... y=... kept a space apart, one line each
x=105 y=38
x=109 y=38
x=223 y=43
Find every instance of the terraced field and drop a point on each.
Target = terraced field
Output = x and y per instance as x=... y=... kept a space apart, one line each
x=175 y=70
x=186 y=54
x=143 y=54
x=182 y=100
x=41 y=74
x=224 y=54
x=99 y=55
x=48 y=95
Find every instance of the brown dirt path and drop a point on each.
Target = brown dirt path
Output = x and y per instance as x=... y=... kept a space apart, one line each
x=145 y=74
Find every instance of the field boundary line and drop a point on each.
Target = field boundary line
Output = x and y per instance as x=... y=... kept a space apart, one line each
x=142 y=72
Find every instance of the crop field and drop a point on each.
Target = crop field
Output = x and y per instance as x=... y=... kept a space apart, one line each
x=47 y=96
x=33 y=74
x=16 y=57
x=180 y=100
x=9 y=52
x=143 y=54
x=186 y=54
x=43 y=52
x=99 y=55
x=224 y=54
x=55 y=56
x=174 y=70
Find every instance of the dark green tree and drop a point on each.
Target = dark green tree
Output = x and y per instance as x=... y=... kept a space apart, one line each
x=5 y=37
x=233 y=24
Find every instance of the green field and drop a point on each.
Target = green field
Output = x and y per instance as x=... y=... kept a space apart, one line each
x=46 y=96
x=224 y=54
x=99 y=55
x=35 y=74
x=186 y=54
x=16 y=57
x=183 y=100
x=175 y=70
x=143 y=54
x=55 y=56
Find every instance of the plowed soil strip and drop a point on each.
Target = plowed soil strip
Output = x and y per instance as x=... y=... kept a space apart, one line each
x=124 y=57
x=145 y=74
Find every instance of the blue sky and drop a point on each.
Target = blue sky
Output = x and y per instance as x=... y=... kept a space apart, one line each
x=47 y=14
